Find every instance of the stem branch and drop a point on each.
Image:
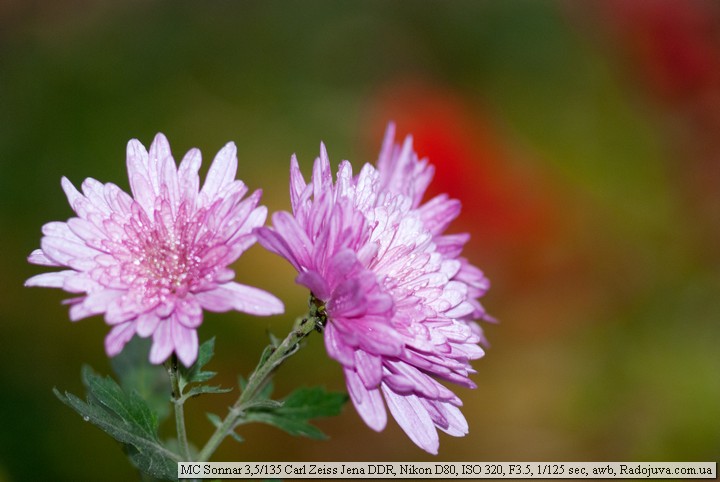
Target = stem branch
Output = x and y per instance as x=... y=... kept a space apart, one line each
x=303 y=327
x=178 y=404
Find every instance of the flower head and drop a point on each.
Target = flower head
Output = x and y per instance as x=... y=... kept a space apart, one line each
x=398 y=298
x=152 y=261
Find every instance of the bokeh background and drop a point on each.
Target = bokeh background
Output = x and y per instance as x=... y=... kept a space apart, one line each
x=583 y=139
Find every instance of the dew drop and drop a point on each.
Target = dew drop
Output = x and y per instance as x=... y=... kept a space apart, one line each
x=86 y=418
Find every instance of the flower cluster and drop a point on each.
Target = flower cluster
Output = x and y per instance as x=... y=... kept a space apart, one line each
x=399 y=302
x=399 y=299
x=153 y=261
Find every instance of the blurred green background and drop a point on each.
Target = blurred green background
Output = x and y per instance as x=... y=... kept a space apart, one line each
x=582 y=138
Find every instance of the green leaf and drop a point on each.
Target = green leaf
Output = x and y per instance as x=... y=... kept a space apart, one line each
x=131 y=408
x=214 y=419
x=296 y=410
x=265 y=355
x=217 y=421
x=128 y=419
x=307 y=403
x=200 y=389
x=195 y=374
x=290 y=425
x=135 y=372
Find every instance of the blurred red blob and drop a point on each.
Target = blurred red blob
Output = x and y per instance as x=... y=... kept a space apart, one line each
x=504 y=203
x=675 y=43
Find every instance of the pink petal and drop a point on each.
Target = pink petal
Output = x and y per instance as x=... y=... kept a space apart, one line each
x=414 y=419
x=140 y=184
x=368 y=368
x=315 y=283
x=294 y=236
x=161 y=164
x=388 y=144
x=117 y=338
x=118 y=200
x=50 y=280
x=73 y=195
x=186 y=343
x=457 y=425
x=275 y=243
x=93 y=304
x=146 y=324
x=368 y=403
x=38 y=257
x=439 y=212
x=188 y=178
x=84 y=230
x=322 y=174
x=94 y=191
x=80 y=283
x=337 y=348
x=162 y=345
x=221 y=172
x=235 y=296
x=188 y=312
x=297 y=183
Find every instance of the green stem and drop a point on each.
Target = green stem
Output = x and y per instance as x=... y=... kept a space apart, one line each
x=288 y=347
x=178 y=404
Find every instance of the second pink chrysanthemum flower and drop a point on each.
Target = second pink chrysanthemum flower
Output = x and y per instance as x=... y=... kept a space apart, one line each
x=152 y=262
x=399 y=299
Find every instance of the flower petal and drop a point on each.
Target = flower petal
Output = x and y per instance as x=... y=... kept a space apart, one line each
x=414 y=419
x=117 y=338
x=50 y=280
x=186 y=343
x=221 y=172
x=368 y=403
x=235 y=296
x=162 y=345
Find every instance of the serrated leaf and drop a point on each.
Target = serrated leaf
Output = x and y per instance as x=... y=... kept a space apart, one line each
x=130 y=408
x=293 y=413
x=307 y=403
x=200 y=389
x=290 y=425
x=195 y=374
x=135 y=373
x=125 y=418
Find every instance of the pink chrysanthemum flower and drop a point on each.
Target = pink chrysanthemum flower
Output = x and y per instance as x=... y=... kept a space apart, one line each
x=398 y=299
x=153 y=261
